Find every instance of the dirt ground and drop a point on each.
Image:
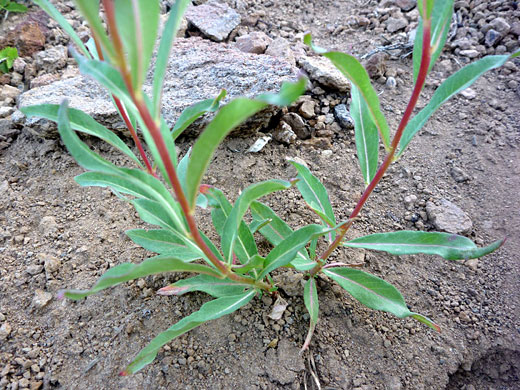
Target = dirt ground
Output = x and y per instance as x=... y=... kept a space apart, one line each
x=55 y=234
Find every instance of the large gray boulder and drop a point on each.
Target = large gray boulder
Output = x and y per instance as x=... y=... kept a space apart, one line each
x=197 y=69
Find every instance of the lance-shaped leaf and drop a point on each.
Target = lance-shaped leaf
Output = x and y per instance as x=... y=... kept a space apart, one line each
x=314 y=194
x=451 y=86
x=129 y=271
x=213 y=286
x=81 y=122
x=209 y=311
x=245 y=246
x=276 y=231
x=194 y=112
x=440 y=25
x=449 y=246
x=310 y=298
x=287 y=249
x=15 y=7
x=90 y=11
x=254 y=262
x=168 y=34
x=358 y=76
x=164 y=242
x=367 y=137
x=77 y=148
x=374 y=293
x=250 y=194
x=47 y=6
x=153 y=213
x=137 y=23
x=227 y=118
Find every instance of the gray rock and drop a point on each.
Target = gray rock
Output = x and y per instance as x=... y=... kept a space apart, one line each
x=396 y=24
x=343 y=116
x=280 y=47
x=470 y=53
x=9 y=92
x=255 y=42
x=492 y=38
x=51 y=59
x=6 y=111
x=41 y=299
x=198 y=69
x=5 y=331
x=285 y=364
x=307 y=109
x=501 y=26
x=323 y=72
x=391 y=82
x=214 y=19
x=34 y=269
x=406 y=5
x=297 y=125
x=284 y=134
x=448 y=217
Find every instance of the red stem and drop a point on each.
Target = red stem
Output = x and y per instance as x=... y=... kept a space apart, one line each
x=419 y=84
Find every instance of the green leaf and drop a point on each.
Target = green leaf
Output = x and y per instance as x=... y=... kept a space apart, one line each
x=374 y=292
x=195 y=111
x=164 y=242
x=7 y=57
x=81 y=122
x=245 y=246
x=129 y=271
x=137 y=23
x=117 y=182
x=350 y=67
x=227 y=118
x=209 y=311
x=287 y=249
x=213 y=286
x=14 y=7
x=367 y=137
x=78 y=149
x=440 y=26
x=276 y=231
x=250 y=194
x=449 y=246
x=163 y=54
x=515 y=54
x=451 y=86
x=310 y=298
x=153 y=213
x=107 y=76
x=90 y=11
x=314 y=193
x=256 y=261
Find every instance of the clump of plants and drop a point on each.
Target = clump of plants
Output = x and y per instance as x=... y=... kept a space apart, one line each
x=7 y=56
x=166 y=191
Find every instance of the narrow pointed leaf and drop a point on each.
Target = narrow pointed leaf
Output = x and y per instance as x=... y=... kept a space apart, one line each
x=440 y=26
x=164 y=242
x=90 y=11
x=254 y=262
x=209 y=311
x=137 y=23
x=153 y=213
x=129 y=271
x=81 y=122
x=77 y=148
x=286 y=250
x=119 y=183
x=194 y=112
x=227 y=118
x=446 y=245
x=276 y=231
x=350 y=67
x=245 y=245
x=210 y=285
x=15 y=7
x=314 y=193
x=250 y=194
x=168 y=34
x=367 y=137
x=47 y=6
x=374 y=292
x=451 y=86
x=310 y=298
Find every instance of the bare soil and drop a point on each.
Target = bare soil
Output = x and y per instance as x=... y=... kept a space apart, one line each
x=55 y=234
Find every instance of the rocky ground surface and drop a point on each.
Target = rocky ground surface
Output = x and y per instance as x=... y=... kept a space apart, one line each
x=460 y=175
